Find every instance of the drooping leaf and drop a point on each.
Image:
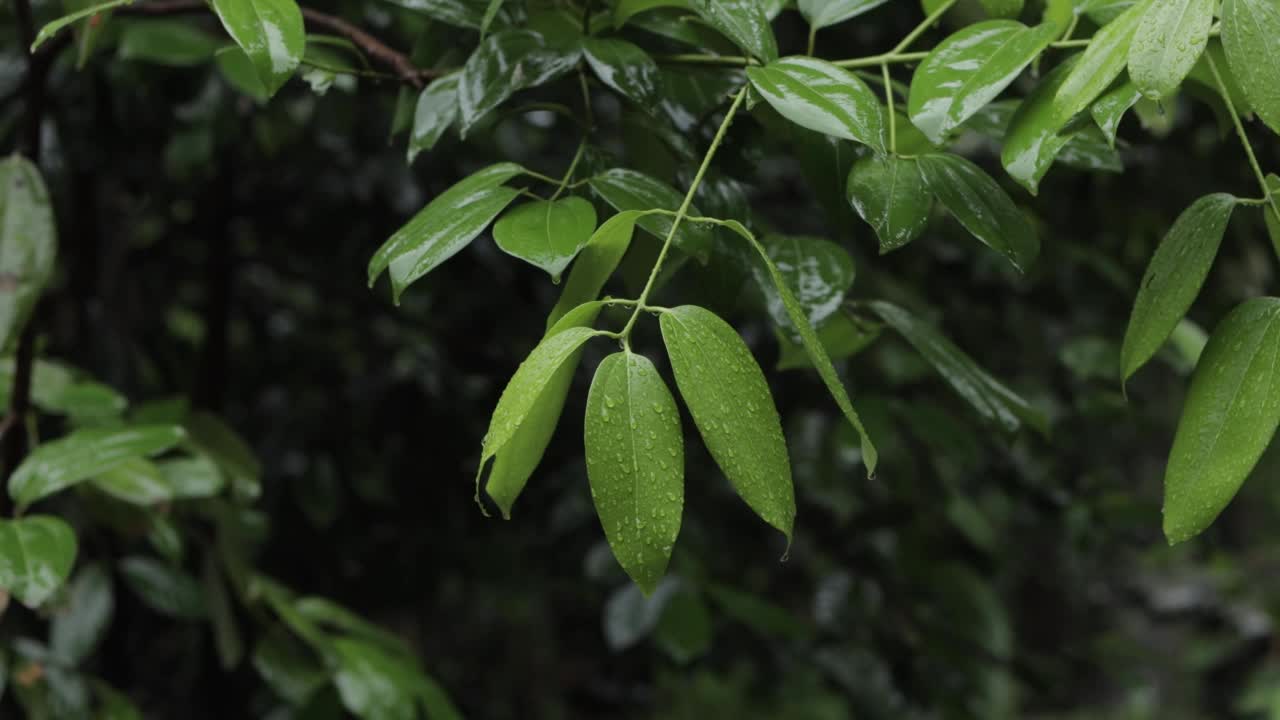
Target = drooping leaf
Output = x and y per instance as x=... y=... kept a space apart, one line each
x=890 y=194
x=1231 y=414
x=78 y=626
x=825 y=13
x=61 y=463
x=1169 y=40
x=1110 y=109
x=968 y=70
x=237 y=69
x=28 y=244
x=595 y=263
x=1035 y=136
x=627 y=68
x=459 y=13
x=635 y=462
x=1099 y=65
x=818 y=272
x=444 y=227
x=270 y=32
x=819 y=96
x=996 y=403
x=490 y=13
x=981 y=206
x=504 y=63
x=731 y=404
x=137 y=480
x=1251 y=38
x=164 y=588
x=436 y=111
x=55 y=26
x=630 y=190
x=166 y=42
x=842 y=335
x=36 y=555
x=547 y=234
x=1174 y=277
x=742 y=21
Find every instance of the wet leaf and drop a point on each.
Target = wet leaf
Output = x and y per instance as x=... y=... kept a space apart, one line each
x=166 y=42
x=36 y=555
x=742 y=21
x=822 y=97
x=981 y=206
x=627 y=68
x=1251 y=38
x=1110 y=109
x=28 y=244
x=270 y=32
x=1099 y=65
x=627 y=9
x=547 y=234
x=890 y=194
x=504 y=63
x=436 y=111
x=595 y=263
x=825 y=13
x=61 y=463
x=1169 y=40
x=842 y=335
x=80 y=624
x=631 y=190
x=136 y=480
x=818 y=272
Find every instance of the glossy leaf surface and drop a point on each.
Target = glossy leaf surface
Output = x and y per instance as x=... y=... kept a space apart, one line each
x=435 y=112
x=36 y=555
x=1099 y=65
x=1251 y=38
x=136 y=480
x=270 y=32
x=547 y=234
x=824 y=13
x=818 y=272
x=61 y=463
x=982 y=207
x=631 y=190
x=596 y=263
x=890 y=194
x=1169 y=40
x=819 y=96
x=28 y=244
x=742 y=21
x=626 y=68
x=505 y=62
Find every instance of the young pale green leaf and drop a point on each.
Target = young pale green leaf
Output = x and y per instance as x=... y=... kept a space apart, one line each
x=968 y=70
x=981 y=206
x=1251 y=38
x=996 y=403
x=890 y=194
x=742 y=21
x=82 y=621
x=819 y=96
x=164 y=588
x=270 y=32
x=1173 y=279
x=1110 y=109
x=36 y=555
x=1169 y=40
x=166 y=42
x=444 y=227
x=631 y=190
x=825 y=13
x=436 y=111
x=731 y=404
x=1231 y=415
x=627 y=68
x=61 y=463
x=504 y=63
x=53 y=27
x=1100 y=64
x=547 y=234
x=137 y=480
x=635 y=462
x=818 y=272
x=28 y=244
x=595 y=263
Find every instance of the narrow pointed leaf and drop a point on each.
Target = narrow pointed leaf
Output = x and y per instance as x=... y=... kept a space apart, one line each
x=1034 y=137
x=635 y=462
x=1251 y=38
x=631 y=190
x=547 y=234
x=270 y=32
x=28 y=244
x=1110 y=109
x=490 y=13
x=504 y=63
x=596 y=263
x=822 y=97
x=36 y=555
x=1169 y=40
x=731 y=404
x=890 y=194
x=825 y=13
x=982 y=207
x=970 y=69
x=437 y=109
x=1231 y=414
x=1271 y=214
x=1174 y=277
x=55 y=26
x=742 y=21
x=1099 y=65
x=61 y=463
x=818 y=272
x=80 y=624
x=627 y=68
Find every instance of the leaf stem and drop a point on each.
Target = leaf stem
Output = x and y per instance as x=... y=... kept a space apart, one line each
x=922 y=27
x=1244 y=138
x=888 y=100
x=573 y=165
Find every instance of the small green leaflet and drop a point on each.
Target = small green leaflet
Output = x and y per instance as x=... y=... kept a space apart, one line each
x=996 y=403
x=968 y=70
x=36 y=555
x=1100 y=64
x=270 y=32
x=818 y=272
x=631 y=190
x=61 y=463
x=82 y=620
x=627 y=68
x=981 y=206
x=1251 y=38
x=1169 y=40
x=437 y=109
x=890 y=194
x=819 y=96
x=1110 y=109
x=825 y=13
x=136 y=480
x=547 y=234
x=731 y=404
x=505 y=62
x=164 y=588
x=1231 y=415
x=28 y=245
x=742 y=21
x=596 y=263
x=1173 y=279
x=444 y=227
x=635 y=462
x=53 y=27
x=166 y=42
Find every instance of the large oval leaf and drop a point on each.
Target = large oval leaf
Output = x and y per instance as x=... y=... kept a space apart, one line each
x=742 y=21
x=1169 y=40
x=61 y=463
x=627 y=68
x=436 y=110
x=270 y=32
x=28 y=244
x=36 y=555
x=547 y=234
x=1173 y=278
x=1251 y=38
x=890 y=194
x=596 y=263
x=1231 y=415
x=981 y=206
x=1100 y=64
x=505 y=62
x=635 y=462
x=733 y=409
x=824 y=13
x=968 y=70
x=631 y=190
x=820 y=96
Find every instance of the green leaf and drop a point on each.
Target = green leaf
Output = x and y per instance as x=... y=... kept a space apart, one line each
x=238 y=70
x=981 y=206
x=818 y=272
x=822 y=97
x=825 y=13
x=627 y=9
x=59 y=464
x=1169 y=40
x=28 y=244
x=684 y=631
x=547 y=234
x=36 y=555
x=490 y=13
x=192 y=478
x=890 y=194
x=226 y=632
x=596 y=263
x=1231 y=415
x=842 y=335
x=215 y=439
x=270 y=32
x=1251 y=38
x=444 y=227
x=374 y=684
x=1035 y=136
x=81 y=622
x=53 y=27
x=137 y=480
x=760 y=615
x=1100 y=64
x=635 y=462
x=1003 y=8
x=1110 y=109
x=731 y=404
x=164 y=588
x=287 y=666
x=630 y=615
x=436 y=110
x=996 y=403
x=742 y=21
x=627 y=68
x=968 y=70
x=1173 y=279
x=166 y=42
x=504 y=63
x=113 y=704
x=630 y=190
x=467 y=14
